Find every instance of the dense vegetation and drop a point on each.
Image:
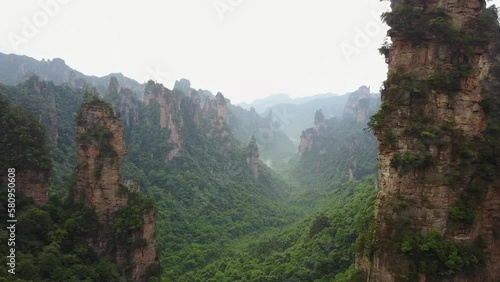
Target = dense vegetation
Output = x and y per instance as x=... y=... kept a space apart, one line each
x=339 y=145
x=22 y=140
x=338 y=221
x=320 y=247
x=54 y=106
x=204 y=199
x=50 y=239
x=215 y=220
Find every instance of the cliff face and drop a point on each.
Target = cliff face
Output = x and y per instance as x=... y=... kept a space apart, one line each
x=170 y=114
x=431 y=131
x=100 y=150
x=126 y=102
x=306 y=141
x=217 y=113
x=144 y=257
x=253 y=157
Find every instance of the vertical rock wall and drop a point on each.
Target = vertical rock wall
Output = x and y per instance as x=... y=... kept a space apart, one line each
x=100 y=151
x=430 y=129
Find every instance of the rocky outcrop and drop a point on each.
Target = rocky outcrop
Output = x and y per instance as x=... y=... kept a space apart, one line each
x=309 y=136
x=125 y=101
x=431 y=131
x=306 y=141
x=145 y=257
x=183 y=86
x=170 y=114
x=253 y=157
x=199 y=111
x=100 y=150
x=361 y=105
x=217 y=113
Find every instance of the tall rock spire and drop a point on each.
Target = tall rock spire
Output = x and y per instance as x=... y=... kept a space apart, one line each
x=437 y=211
x=100 y=151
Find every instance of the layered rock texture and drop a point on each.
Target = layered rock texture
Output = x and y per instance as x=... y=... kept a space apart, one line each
x=100 y=150
x=170 y=114
x=438 y=209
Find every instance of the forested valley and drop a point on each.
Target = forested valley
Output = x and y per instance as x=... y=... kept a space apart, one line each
x=222 y=214
x=110 y=179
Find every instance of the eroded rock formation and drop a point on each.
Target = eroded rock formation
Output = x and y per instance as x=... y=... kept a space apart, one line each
x=125 y=101
x=100 y=150
x=437 y=184
x=360 y=105
x=185 y=107
x=217 y=113
x=170 y=114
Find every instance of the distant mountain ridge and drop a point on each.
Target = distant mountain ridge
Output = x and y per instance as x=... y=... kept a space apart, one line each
x=292 y=118
x=15 y=69
x=264 y=104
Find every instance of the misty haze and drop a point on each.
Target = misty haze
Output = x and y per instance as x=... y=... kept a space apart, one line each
x=232 y=140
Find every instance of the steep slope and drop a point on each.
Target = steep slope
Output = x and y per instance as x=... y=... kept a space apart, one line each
x=437 y=212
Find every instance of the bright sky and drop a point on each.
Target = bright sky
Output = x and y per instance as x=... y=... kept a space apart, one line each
x=244 y=49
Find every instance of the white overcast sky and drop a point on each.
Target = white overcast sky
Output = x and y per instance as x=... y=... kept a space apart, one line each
x=244 y=49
